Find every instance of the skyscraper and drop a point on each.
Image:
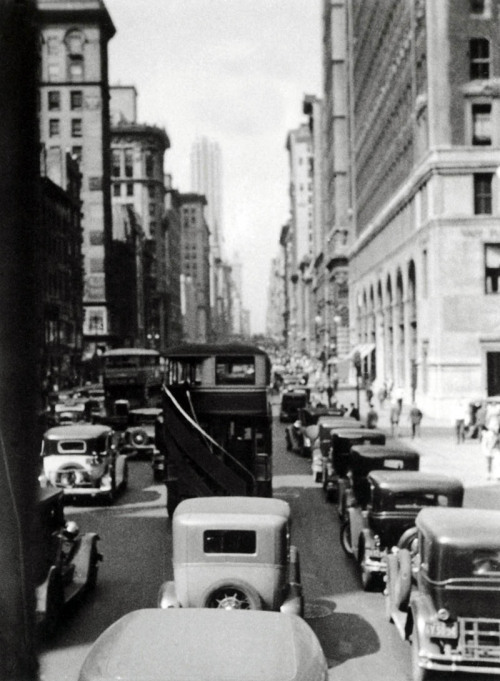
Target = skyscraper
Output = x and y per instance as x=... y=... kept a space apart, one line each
x=206 y=179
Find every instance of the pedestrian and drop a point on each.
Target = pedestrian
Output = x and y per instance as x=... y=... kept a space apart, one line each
x=354 y=412
x=490 y=446
x=371 y=417
x=329 y=392
x=395 y=416
x=415 y=420
x=460 y=415
x=382 y=396
x=398 y=395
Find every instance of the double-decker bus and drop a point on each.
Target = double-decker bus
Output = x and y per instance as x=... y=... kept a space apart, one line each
x=217 y=431
x=131 y=376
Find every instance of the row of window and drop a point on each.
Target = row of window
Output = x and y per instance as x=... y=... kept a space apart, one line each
x=55 y=127
x=54 y=100
x=122 y=163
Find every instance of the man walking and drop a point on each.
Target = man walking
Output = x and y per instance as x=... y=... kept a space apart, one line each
x=415 y=419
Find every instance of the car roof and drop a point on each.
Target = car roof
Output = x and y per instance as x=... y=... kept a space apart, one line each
x=194 y=644
x=146 y=410
x=233 y=506
x=340 y=422
x=81 y=431
x=461 y=527
x=372 y=451
x=209 y=349
x=406 y=481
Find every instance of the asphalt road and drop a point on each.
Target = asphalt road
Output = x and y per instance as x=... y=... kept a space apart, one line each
x=357 y=639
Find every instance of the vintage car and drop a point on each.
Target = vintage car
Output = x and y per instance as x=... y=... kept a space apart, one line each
x=233 y=553
x=362 y=460
x=301 y=435
x=446 y=596
x=197 y=644
x=139 y=437
x=292 y=400
x=327 y=423
x=67 y=561
x=66 y=413
x=382 y=513
x=83 y=460
x=336 y=465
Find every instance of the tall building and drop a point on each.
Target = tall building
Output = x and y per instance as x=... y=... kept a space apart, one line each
x=195 y=264
x=422 y=79
x=206 y=179
x=137 y=158
x=299 y=147
x=74 y=116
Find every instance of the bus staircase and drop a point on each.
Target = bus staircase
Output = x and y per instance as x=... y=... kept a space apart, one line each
x=202 y=467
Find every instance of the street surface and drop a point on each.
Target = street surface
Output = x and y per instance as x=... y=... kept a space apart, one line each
x=357 y=639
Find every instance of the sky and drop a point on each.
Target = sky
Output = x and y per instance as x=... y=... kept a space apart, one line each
x=235 y=71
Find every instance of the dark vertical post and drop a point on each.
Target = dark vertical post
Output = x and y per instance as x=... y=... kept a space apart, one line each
x=19 y=319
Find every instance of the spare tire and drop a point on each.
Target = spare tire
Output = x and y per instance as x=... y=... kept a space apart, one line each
x=407 y=538
x=233 y=595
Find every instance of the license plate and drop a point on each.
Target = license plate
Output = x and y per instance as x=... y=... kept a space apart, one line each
x=443 y=630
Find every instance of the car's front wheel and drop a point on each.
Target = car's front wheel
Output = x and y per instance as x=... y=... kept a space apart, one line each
x=418 y=673
x=345 y=538
x=234 y=596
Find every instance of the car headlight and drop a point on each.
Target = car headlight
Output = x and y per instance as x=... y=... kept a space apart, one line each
x=443 y=614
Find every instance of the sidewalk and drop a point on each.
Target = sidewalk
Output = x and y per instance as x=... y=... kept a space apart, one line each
x=441 y=454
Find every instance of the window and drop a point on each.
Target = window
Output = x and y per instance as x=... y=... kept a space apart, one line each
x=54 y=100
x=115 y=163
x=492 y=268
x=151 y=191
x=149 y=164
x=481 y=124
x=476 y=6
x=76 y=152
x=129 y=163
x=76 y=100
x=96 y=265
x=229 y=541
x=53 y=72
x=96 y=238
x=237 y=371
x=53 y=46
x=479 y=53
x=116 y=189
x=75 y=68
x=54 y=127
x=130 y=189
x=483 y=193
x=76 y=127
x=152 y=209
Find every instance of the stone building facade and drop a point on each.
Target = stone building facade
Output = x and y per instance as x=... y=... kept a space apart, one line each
x=74 y=116
x=425 y=260
x=137 y=159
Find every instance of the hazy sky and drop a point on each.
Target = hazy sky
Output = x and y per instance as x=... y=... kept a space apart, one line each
x=235 y=71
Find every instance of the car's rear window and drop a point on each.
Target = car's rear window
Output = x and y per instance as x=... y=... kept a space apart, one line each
x=72 y=446
x=413 y=500
x=229 y=541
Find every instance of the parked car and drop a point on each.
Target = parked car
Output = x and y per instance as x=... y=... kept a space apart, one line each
x=301 y=434
x=291 y=401
x=216 y=562
x=336 y=465
x=198 y=644
x=83 y=460
x=139 y=437
x=327 y=423
x=67 y=561
x=382 y=513
x=446 y=597
x=362 y=460
x=67 y=413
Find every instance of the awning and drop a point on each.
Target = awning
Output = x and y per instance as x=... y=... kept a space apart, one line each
x=364 y=350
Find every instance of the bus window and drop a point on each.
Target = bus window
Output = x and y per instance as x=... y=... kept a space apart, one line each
x=235 y=371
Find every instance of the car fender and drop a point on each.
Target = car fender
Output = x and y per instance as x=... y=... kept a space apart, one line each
x=81 y=559
x=120 y=468
x=294 y=601
x=167 y=596
x=421 y=611
x=354 y=519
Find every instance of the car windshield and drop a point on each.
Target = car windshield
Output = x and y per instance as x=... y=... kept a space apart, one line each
x=463 y=563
